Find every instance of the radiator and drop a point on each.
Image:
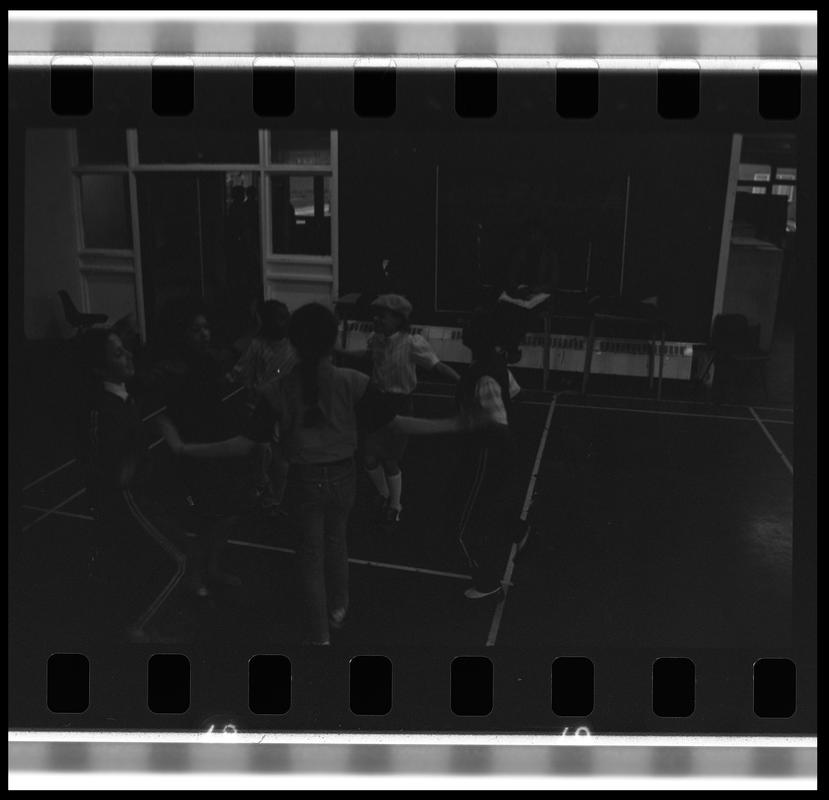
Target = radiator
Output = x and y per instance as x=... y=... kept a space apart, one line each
x=611 y=356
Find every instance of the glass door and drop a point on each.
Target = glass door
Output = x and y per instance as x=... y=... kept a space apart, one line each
x=200 y=237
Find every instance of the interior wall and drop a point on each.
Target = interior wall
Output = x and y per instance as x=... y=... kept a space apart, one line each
x=387 y=211
x=50 y=247
x=677 y=195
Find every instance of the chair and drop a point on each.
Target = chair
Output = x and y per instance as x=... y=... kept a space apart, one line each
x=629 y=314
x=79 y=321
x=735 y=351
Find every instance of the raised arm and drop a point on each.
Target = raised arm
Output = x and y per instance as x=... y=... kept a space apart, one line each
x=363 y=356
x=375 y=411
x=420 y=426
x=235 y=447
x=445 y=371
x=169 y=433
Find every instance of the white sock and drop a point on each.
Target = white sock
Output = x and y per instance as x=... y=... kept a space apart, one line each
x=395 y=490
x=378 y=478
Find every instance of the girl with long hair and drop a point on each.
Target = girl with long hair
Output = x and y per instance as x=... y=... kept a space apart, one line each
x=319 y=408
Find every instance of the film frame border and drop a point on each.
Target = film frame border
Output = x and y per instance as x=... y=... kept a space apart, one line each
x=620 y=77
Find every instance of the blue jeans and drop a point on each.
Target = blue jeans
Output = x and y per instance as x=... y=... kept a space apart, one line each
x=322 y=496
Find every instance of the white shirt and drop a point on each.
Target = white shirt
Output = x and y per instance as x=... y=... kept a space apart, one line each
x=118 y=389
x=396 y=358
x=488 y=396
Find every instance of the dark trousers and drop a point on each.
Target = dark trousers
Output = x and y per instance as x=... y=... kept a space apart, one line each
x=385 y=444
x=489 y=516
x=138 y=561
x=321 y=497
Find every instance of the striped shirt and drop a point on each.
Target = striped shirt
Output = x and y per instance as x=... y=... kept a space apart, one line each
x=396 y=358
x=488 y=396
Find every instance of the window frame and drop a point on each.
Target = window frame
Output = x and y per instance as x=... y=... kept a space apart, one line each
x=96 y=260
x=294 y=257
x=269 y=169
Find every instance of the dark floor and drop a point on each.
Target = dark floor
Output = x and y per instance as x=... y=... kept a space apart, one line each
x=655 y=529
x=653 y=524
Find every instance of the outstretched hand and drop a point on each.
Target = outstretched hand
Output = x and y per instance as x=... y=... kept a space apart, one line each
x=171 y=437
x=477 y=418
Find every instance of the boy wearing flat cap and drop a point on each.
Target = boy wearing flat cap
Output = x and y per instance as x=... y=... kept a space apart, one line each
x=395 y=353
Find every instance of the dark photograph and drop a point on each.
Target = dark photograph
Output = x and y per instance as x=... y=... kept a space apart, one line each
x=379 y=388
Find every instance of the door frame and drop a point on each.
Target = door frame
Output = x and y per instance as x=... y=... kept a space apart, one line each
x=275 y=269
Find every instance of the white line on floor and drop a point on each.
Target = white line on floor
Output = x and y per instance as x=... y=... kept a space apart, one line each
x=781 y=409
x=59 y=513
x=772 y=440
x=528 y=497
x=655 y=412
x=53 y=510
x=404 y=568
x=157 y=442
x=149 y=416
x=668 y=413
x=255 y=546
x=155 y=413
x=574 y=393
x=506 y=582
x=49 y=474
x=360 y=561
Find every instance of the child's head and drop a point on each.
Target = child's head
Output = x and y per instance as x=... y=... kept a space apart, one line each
x=391 y=313
x=197 y=334
x=479 y=333
x=485 y=331
x=186 y=327
x=312 y=331
x=274 y=319
x=103 y=357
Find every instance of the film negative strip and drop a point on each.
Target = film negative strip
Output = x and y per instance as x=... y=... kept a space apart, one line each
x=622 y=548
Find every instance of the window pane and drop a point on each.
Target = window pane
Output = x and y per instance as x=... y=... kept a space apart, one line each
x=301 y=214
x=198 y=146
x=300 y=147
x=748 y=171
x=102 y=146
x=106 y=212
x=786 y=190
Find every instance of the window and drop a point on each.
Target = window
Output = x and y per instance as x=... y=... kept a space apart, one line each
x=102 y=146
x=241 y=187
x=301 y=148
x=198 y=146
x=748 y=171
x=753 y=215
x=106 y=211
x=786 y=190
x=760 y=176
x=781 y=181
x=301 y=214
